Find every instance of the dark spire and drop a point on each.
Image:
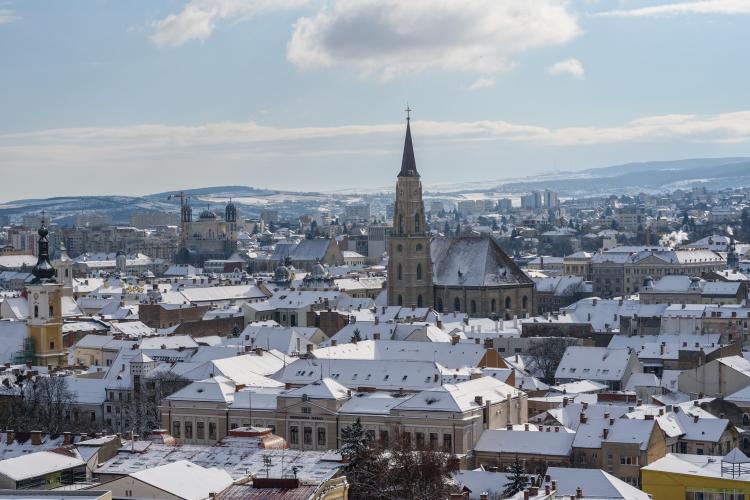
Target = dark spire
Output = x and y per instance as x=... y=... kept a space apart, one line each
x=408 y=163
x=43 y=270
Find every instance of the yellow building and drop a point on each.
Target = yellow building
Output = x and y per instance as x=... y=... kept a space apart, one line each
x=44 y=294
x=698 y=477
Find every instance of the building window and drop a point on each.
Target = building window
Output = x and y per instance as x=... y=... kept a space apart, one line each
x=440 y=305
x=508 y=303
x=200 y=430
x=51 y=311
x=416 y=222
x=420 y=440
x=473 y=307
x=294 y=434
x=307 y=436
x=321 y=436
x=419 y=272
x=525 y=302
x=448 y=443
x=36 y=311
x=419 y=247
x=401 y=224
x=176 y=430
x=492 y=305
x=51 y=345
x=419 y=301
x=399 y=272
x=306 y=409
x=212 y=430
x=400 y=300
x=384 y=438
x=456 y=304
x=188 y=430
x=433 y=440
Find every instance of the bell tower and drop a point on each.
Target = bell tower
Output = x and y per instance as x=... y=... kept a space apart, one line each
x=45 y=307
x=409 y=263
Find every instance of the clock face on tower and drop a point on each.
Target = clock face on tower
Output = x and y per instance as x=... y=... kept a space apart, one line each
x=36 y=295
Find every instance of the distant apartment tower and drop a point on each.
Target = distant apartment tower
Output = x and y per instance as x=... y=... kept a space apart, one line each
x=268 y=216
x=550 y=199
x=436 y=207
x=377 y=242
x=145 y=220
x=532 y=200
x=359 y=212
x=504 y=205
x=467 y=207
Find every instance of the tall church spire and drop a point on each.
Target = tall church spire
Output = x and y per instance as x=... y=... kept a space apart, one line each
x=408 y=163
x=43 y=270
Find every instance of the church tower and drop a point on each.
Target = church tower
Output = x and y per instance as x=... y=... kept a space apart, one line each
x=409 y=263
x=45 y=308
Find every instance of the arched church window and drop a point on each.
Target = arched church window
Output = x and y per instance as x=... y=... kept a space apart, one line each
x=416 y=222
x=400 y=300
x=493 y=305
x=51 y=311
x=440 y=305
x=419 y=272
x=36 y=311
x=473 y=307
x=419 y=301
x=400 y=247
x=399 y=275
x=401 y=224
x=507 y=302
x=525 y=302
x=419 y=247
x=457 y=304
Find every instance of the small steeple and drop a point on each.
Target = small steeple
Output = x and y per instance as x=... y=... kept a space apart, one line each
x=43 y=270
x=408 y=163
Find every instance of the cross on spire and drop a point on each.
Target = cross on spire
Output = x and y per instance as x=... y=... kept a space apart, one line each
x=408 y=112
x=44 y=213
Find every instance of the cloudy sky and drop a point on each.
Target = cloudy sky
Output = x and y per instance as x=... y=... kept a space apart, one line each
x=137 y=96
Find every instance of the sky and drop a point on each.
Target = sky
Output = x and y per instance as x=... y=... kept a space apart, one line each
x=136 y=97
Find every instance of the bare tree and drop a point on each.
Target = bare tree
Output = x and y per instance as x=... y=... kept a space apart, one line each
x=546 y=355
x=38 y=403
x=142 y=410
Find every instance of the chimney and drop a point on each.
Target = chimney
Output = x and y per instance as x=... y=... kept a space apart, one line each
x=582 y=418
x=489 y=344
x=478 y=400
x=695 y=419
x=579 y=492
x=454 y=339
x=661 y=348
x=526 y=427
x=476 y=340
x=605 y=433
x=36 y=438
x=509 y=427
x=310 y=348
x=375 y=336
x=9 y=437
x=565 y=402
x=606 y=414
x=377 y=320
x=333 y=342
x=611 y=421
x=259 y=351
x=484 y=496
x=526 y=495
x=67 y=438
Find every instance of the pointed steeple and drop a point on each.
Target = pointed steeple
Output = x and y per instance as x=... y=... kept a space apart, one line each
x=408 y=163
x=43 y=270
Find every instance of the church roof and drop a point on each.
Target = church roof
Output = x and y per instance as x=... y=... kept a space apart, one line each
x=472 y=261
x=408 y=163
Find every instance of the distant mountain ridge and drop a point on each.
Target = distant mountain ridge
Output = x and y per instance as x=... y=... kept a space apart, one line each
x=630 y=178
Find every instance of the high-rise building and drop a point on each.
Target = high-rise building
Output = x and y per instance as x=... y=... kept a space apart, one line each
x=409 y=262
x=550 y=199
x=532 y=200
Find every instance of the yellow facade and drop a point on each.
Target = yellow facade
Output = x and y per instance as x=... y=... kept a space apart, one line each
x=45 y=323
x=662 y=485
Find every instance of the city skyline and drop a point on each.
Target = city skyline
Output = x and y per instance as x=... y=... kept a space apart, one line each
x=296 y=93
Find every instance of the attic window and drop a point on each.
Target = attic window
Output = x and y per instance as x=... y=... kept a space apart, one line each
x=199 y=390
x=404 y=377
x=386 y=377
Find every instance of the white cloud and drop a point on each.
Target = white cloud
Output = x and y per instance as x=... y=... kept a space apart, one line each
x=697 y=7
x=249 y=138
x=572 y=67
x=388 y=38
x=7 y=16
x=482 y=82
x=197 y=20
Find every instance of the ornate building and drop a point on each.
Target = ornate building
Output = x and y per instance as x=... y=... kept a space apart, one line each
x=409 y=264
x=45 y=308
x=209 y=237
x=469 y=274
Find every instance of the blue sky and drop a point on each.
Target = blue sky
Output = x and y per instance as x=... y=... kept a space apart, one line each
x=113 y=97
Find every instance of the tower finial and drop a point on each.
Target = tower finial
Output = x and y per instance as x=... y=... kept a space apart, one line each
x=408 y=112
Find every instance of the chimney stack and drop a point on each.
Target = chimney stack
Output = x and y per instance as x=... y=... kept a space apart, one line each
x=579 y=492
x=376 y=336
x=9 y=437
x=605 y=433
x=36 y=438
